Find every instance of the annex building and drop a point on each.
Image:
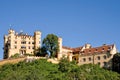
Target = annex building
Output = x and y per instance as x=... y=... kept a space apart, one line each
x=22 y=43
x=86 y=54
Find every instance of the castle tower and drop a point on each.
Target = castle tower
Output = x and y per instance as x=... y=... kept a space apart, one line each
x=8 y=41
x=60 y=44
x=60 y=48
x=37 y=39
x=11 y=37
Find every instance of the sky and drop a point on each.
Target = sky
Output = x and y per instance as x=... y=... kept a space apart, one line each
x=78 y=22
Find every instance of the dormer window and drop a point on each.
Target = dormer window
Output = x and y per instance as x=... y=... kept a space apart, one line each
x=96 y=50
x=109 y=48
x=89 y=51
x=103 y=49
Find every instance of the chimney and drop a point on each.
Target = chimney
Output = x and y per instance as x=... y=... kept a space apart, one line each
x=87 y=46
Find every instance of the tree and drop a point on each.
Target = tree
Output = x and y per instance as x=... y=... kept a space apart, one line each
x=66 y=66
x=41 y=51
x=51 y=44
x=116 y=62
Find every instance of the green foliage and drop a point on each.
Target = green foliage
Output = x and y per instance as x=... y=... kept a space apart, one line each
x=50 y=44
x=41 y=52
x=15 y=56
x=116 y=62
x=65 y=65
x=43 y=70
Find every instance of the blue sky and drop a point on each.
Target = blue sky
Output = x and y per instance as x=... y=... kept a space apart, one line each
x=77 y=21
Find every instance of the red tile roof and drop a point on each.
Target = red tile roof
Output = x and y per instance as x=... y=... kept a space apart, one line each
x=73 y=49
x=90 y=51
x=101 y=49
x=65 y=47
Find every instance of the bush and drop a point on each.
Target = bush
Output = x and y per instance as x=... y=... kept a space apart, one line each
x=15 y=56
x=43 y=70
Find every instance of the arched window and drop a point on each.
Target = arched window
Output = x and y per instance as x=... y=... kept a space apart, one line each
x=89 y=58
x=98 y=57
x=104 y=57
x=84 y=59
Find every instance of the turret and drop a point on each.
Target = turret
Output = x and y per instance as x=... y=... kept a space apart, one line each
x=59 y=56
x=10 y=31
x=87 y=46
x=11 y=36
x=60 y=44
x=37 y=39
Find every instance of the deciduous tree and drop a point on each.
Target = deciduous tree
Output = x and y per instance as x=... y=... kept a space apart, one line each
x=51 y=44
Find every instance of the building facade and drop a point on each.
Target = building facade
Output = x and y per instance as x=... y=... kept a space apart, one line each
x=86 y=54
x=26 y=44
x=20 y=43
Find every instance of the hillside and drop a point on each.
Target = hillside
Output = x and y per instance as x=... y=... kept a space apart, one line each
x=13 y=61
x=43 y=70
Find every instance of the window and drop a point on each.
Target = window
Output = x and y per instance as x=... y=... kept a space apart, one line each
x=89 y=58
x=29 y=43
x=15 y=47
x=98 y=57
x=104 y=57
x=98 y=63
x=15 y=42
x=105 y=63
x=33 y=43
x=102 y=49
x=89 y=51
x=23 y=42
x=32 y=47
x=29 y=47
x=23 y=47
x=84 y=59
x=109 y=48
x=95 y=49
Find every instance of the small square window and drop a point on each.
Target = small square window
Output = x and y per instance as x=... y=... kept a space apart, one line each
x=15 y=42
x=33 y=43
x=32 y=47
x=15 y=47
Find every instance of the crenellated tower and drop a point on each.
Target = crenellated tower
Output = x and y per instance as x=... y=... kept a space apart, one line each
x=37 y=39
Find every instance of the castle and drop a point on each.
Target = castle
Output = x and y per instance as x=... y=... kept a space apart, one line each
x=23 y=43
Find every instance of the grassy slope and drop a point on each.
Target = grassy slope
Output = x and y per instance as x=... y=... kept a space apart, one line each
x=43 y=70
